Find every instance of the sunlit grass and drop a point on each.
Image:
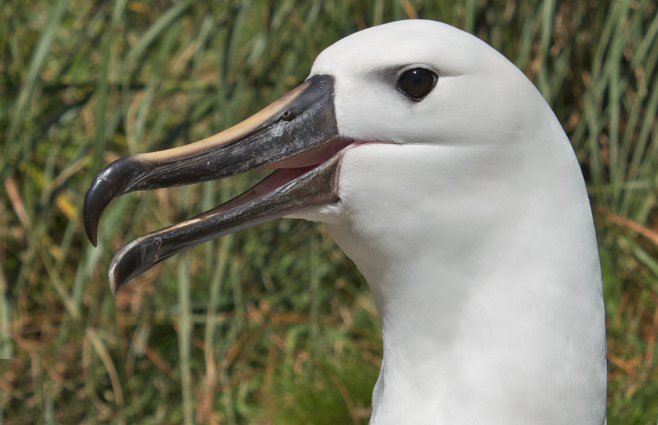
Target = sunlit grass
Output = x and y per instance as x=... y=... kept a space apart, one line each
x=272 y=325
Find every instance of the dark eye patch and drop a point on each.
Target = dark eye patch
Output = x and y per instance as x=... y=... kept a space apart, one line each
x=417 y=83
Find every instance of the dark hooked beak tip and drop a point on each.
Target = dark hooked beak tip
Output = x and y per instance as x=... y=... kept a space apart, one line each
x=120 y=275
x=91 y=221
x=95 y=203
x=120 y=272
x=114 y=180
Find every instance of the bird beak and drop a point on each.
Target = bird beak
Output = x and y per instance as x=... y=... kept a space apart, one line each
x=297 y=133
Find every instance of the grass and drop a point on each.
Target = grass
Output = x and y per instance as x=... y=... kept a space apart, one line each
x=272 y=325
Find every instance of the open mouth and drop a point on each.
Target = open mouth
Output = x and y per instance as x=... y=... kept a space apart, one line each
x=297 y=135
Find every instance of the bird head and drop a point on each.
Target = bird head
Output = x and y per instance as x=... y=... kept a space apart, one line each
x=378 y=106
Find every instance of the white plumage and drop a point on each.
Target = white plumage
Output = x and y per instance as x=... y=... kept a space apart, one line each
x=474 y=231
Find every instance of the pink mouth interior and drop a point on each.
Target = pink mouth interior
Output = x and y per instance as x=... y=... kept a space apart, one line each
x=313 y=156
x=287 y=170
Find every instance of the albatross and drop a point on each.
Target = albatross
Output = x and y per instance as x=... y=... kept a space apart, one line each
x=443 y=174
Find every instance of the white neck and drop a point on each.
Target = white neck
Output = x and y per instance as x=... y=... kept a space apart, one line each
x=488 y=287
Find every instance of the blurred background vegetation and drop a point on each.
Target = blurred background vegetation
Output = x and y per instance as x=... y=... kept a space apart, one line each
x=272 y=325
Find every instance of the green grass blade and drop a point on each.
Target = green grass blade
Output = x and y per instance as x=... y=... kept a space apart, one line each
x=36 y=63
x=185 y=339
x=546 y=25
x=159 y=26
x=469 y=15
x=6 y=348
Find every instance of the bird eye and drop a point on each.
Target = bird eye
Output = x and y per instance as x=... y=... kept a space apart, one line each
x=417 y=83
